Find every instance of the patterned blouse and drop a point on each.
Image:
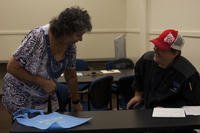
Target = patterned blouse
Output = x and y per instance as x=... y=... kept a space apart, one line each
x=33 y=55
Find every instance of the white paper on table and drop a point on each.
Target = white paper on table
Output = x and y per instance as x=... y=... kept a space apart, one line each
x=79 y=73
x=110 y=71
x=192 y=110
x=168 y=112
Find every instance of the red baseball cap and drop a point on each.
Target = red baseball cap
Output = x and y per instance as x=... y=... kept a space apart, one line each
x=168 y=39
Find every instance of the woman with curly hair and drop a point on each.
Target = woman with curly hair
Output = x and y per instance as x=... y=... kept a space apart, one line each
x=44 y=54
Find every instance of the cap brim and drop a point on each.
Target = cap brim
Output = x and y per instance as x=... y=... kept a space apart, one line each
x=159 y=45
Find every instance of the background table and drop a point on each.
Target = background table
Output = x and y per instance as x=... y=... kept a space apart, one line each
x=89 y=76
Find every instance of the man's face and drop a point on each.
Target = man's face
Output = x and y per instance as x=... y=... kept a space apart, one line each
x=163 y=57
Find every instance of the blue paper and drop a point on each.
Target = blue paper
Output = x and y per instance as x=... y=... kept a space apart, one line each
x=52 y=121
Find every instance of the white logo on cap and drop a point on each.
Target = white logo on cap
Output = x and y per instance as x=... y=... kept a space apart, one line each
x=169 y=38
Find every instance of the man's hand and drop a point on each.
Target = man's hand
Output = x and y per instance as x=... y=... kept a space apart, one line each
x=136 y=99
x=133 y=101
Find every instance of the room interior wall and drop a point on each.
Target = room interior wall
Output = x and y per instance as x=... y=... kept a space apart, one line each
x=133 y=32
x=146 y=19
x=19 y=17
x=110 y=18
x=140 y=20
x=182 y=15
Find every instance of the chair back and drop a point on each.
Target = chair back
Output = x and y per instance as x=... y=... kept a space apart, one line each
x=81 y=65
x=99 y=93
x=122 y=63
x=125 y=87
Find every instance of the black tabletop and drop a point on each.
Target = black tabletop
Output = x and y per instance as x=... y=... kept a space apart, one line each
x=120 y=122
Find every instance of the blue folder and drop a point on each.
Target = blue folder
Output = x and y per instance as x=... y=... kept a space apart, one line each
x=50 y=121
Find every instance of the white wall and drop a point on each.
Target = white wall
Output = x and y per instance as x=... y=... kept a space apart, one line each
x=20 y=16
x=139 y=19
x=136 y=27
x=133 y=44
x=182 y=15
x=151 y=17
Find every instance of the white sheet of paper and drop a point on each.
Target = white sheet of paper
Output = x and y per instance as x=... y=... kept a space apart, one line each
x=110 y=71
x=192 y=110
x=79 y=73
x=168 y=112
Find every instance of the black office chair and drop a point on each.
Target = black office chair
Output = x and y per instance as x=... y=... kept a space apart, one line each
x=99 y=93
x=82 y=65
x=124 y=84
x=122 y=63
x=123 y=91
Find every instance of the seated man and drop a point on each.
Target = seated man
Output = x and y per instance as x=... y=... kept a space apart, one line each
x=165 y=78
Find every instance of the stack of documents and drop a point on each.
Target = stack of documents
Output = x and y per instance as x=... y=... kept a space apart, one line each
x=110 y=71
x=192 y=110
x=176 y=112
x=79 y=73
x=168 y=112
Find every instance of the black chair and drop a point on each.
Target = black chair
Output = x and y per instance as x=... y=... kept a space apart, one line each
x=82 y=65
x=123 y=86
x=123 y=90
x=122 y=63
x=99 y=93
